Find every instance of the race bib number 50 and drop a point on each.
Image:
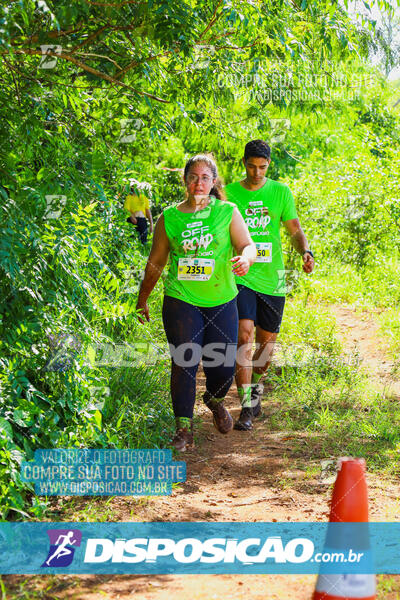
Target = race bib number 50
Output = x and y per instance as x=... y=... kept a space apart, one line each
x=195 y=269
x=264 y=252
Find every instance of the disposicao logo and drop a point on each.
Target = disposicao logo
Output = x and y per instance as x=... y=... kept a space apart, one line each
x=62 y=542
x=190 y=550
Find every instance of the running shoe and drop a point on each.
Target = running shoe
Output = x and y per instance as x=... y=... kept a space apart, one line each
x=222 y=420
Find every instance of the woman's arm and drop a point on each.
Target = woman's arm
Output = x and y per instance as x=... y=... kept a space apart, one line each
x=242 y=243
x=155 y=264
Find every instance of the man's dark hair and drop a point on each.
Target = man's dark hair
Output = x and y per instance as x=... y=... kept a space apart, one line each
x=257 y=148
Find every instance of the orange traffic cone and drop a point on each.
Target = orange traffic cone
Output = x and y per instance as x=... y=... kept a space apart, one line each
x=350 y=505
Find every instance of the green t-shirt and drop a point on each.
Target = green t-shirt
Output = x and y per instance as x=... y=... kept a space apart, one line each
x=263 y=210
x=200 y=270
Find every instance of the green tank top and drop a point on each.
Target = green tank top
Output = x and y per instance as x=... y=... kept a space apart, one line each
x=200 y=270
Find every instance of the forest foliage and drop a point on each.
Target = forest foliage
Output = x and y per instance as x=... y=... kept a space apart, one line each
x=94 y=93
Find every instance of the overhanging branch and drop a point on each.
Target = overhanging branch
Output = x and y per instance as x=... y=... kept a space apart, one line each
x=85 y=67
x=213 y=20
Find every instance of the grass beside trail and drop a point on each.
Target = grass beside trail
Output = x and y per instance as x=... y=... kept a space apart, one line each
x=324 y=393
x=390 y=327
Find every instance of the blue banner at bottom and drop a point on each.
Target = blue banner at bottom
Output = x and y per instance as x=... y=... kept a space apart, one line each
x=199 y=548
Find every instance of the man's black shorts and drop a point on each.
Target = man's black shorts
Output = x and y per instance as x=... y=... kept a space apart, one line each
x=266 y=311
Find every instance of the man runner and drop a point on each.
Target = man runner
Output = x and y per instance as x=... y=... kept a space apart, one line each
x=264 y=204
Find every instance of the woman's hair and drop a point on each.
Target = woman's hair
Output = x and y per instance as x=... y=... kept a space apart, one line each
x=207 y=159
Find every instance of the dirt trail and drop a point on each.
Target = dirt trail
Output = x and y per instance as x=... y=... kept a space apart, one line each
x=246 y=476
x=359 y=332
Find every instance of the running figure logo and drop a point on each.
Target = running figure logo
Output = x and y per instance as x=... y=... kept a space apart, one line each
x=61 y=551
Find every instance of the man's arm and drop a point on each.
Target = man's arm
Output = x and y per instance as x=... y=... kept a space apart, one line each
x=155 y=264
x=299 y=243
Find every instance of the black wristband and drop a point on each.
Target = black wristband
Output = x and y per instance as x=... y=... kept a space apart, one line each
x=308 y=252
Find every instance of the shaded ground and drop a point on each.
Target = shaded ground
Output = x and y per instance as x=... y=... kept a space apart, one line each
x=246 y=476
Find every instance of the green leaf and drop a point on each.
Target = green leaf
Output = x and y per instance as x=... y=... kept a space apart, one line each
x=98 y=418
x=41 y=173
x=5 y=427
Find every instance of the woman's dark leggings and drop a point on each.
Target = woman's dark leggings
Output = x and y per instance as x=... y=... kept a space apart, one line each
x=195 y=333
x=141 y=226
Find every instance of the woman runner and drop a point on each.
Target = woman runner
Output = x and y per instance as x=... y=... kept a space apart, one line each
x=208 y=242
